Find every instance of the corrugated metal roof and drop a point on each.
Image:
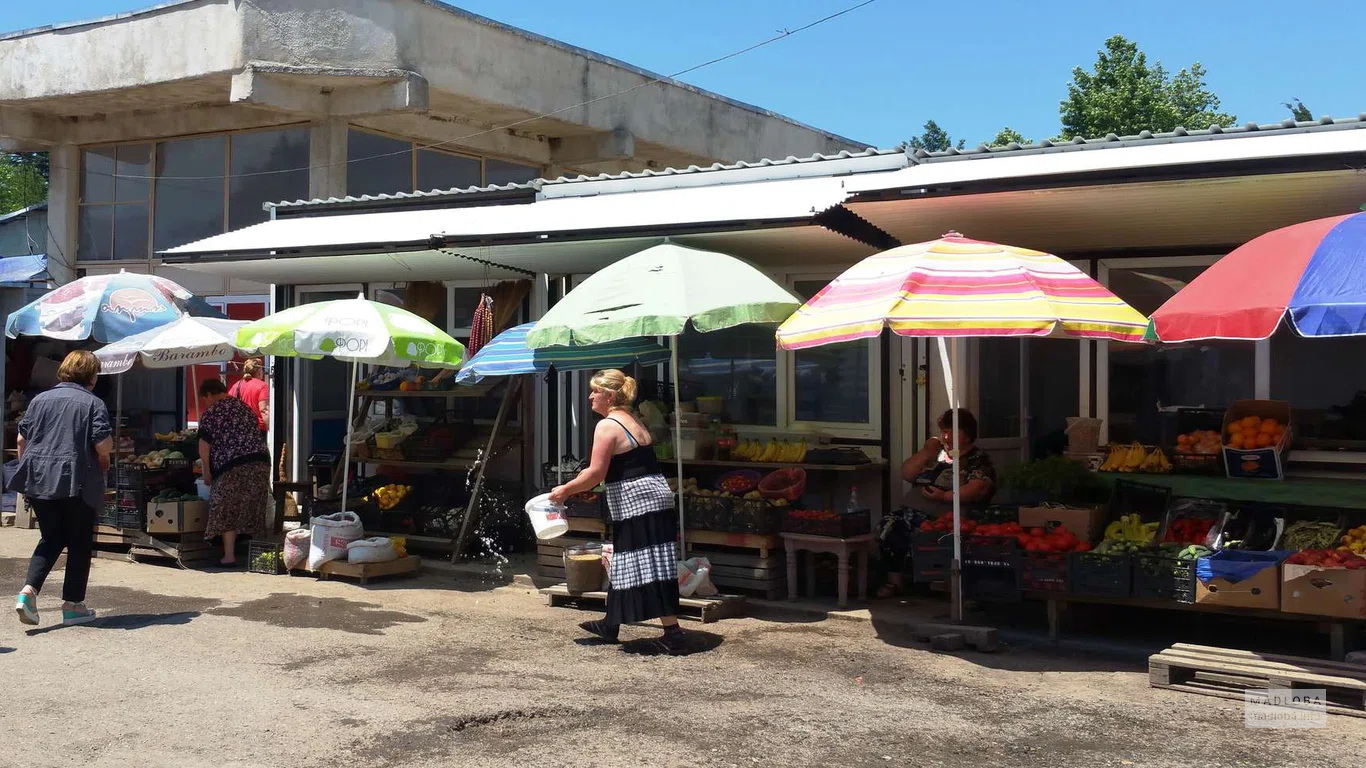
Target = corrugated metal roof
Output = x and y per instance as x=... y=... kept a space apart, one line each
x=796 y=201
x=867 y=161
x=789 y=167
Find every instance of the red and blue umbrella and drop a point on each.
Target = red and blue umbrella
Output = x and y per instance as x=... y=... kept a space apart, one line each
x=106 y=308
x=1311 y=274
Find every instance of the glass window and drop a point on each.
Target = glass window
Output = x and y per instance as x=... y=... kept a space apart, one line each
x=830 y=383
x=267 y=166
x=1324 y=380
x=96 y=229
x=444 y=170
x=462 y=308
x=739 y=365
x=112 y=223
x=1143 y=377
x=998 y=388
x=377 y=165
x=503 y=172
x=1054 y=392
x=189 y=190
x=97 y=175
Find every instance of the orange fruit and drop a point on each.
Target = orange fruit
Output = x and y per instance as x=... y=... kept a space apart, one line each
x=1236 y=442
x=1264 y=440
x=1183 y=440
x=1236 y=428
x=1251 y=421
x=1269 y=427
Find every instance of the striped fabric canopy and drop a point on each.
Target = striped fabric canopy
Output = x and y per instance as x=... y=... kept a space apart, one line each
x=507 y=355
x=955 y=286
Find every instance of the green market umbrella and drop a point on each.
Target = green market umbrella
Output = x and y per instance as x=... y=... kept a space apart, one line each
x=658 y=292
x=357 y=331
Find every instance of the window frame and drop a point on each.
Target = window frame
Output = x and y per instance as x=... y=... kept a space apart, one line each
x=151 y=203
x=787 y=378
x=416 y=145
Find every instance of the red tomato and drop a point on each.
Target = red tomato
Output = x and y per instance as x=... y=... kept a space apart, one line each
x=969 y=526
x=1082 y=546
x=927 y=526
x=1036 y=532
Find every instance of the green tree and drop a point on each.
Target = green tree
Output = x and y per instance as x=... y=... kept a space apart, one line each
x=1124 y=94
x=21 y=184
x=1298 y=111
x=934 y=139
x=1007 y=135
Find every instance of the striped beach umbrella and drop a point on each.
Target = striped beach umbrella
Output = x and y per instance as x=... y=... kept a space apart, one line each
x=508 y=355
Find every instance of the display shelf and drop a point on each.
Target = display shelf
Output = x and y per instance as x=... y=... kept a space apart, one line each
x=871 y=465
x=460 y=390
x=403 y=464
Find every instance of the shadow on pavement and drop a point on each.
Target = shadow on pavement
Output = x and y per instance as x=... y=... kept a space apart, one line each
x=126 y=621
x=6 y=650
x=695 y=641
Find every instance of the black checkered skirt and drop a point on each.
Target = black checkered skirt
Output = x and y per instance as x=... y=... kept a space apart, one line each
x=644 y=565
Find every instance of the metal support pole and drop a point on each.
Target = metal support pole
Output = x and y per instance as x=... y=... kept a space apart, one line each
x=465 y=525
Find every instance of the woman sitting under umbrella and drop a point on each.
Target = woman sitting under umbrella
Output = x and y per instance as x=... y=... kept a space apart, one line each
x=931 y=471
x=236 y=468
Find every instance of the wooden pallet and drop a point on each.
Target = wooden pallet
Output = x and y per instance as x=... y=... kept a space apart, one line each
x=404 y=566
x=704 y=609
x=185 y=550
x=1229 y=673
x=761 y=571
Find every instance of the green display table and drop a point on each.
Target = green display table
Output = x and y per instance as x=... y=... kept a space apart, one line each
x=1341 y=494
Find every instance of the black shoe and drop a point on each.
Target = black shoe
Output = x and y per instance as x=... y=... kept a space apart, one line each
x=605 y=632
x=671 y=642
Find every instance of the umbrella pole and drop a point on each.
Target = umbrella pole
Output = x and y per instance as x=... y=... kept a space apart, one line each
x=559 y=426
x=678 y=445
x=194 y=389
x=346 y=448
x=465 y=525
x=957 y=613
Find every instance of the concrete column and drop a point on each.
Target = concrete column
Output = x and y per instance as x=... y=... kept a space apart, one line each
x=327 y=159
x=63 y=206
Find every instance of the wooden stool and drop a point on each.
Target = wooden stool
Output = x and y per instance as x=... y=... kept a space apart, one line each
x=843 y=548
x=305 y=492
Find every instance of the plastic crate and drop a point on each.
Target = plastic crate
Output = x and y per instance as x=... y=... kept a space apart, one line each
x=133 y=519
x=706 y=513
x=836 y=525
x=1100 y=575
x=1198 y=464
x=989 y=551
x=931 y=556
x=109 y=515
x=266 y=557
x=1043 y=571
x=1157 y=575
x=756 y=516
x=580 y=506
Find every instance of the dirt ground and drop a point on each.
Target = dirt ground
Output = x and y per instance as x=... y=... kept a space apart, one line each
x=238 y=669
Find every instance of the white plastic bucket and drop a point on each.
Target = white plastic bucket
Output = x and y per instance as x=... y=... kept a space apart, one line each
x=547 y=520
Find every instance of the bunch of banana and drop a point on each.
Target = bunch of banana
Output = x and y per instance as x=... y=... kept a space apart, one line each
x=1135 y=458
x=774 y=451
x=1131 y=528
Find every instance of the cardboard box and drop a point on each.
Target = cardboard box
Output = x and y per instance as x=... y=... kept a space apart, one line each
x=1228 y=578
x=23 y=513
x=177 y=516
x=1264 y=463
x=1085 y=523
x=1323 y=591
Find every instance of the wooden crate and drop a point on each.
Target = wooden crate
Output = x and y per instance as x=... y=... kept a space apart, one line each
x=704 y=609
x=1229 y=673
x=404 y=566
x=185 y=550
x=759 y=568
x=550 y=554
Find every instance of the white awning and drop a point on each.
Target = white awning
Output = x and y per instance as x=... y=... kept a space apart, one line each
x=795 y=201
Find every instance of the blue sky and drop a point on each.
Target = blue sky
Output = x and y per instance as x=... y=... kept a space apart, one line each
x=877 y=74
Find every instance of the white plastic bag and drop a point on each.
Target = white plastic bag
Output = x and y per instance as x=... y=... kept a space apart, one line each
x=694 y=578
x=376 y=549
x=331 y=534
x=296 y=548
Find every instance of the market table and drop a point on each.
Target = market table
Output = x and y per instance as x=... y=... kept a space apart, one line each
x=1343 y=494
x=842 y=548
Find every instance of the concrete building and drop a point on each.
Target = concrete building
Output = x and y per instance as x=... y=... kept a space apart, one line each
x=178 y=122
x=23 y=232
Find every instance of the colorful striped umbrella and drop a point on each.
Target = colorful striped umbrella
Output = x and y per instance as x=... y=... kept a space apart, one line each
x=508 y=355
x=956 y=287
x=1314 y=273
x=105 y=308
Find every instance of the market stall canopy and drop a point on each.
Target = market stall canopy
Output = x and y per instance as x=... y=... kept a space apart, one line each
x=564 y=235
x=959 y=287
x=23 y=269
x=355 y=330
x=106 y=308
x=508 y=355
x=658 y=292
x=184 y=342
x=1314 y=273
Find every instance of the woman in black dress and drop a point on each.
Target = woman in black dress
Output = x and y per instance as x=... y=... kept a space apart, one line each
x=644 y=564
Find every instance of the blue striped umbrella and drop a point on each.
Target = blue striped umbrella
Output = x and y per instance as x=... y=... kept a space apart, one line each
x=507 y=355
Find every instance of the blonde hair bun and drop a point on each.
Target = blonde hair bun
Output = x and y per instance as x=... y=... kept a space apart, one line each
x=622 y=387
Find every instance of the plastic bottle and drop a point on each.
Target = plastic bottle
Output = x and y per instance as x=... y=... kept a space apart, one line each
x=853 y=499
